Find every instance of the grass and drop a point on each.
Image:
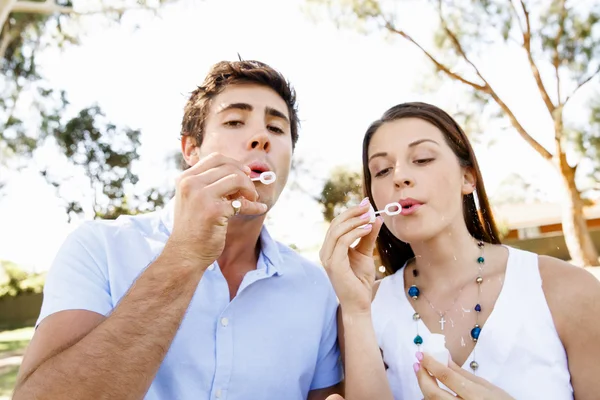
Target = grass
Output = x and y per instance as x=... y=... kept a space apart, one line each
x=8 y=377
x=12 y=347
x=15 y=340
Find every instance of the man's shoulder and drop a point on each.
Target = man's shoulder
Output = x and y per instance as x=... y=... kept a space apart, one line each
x=292 y=257
x=140 y=222
x=104 y=233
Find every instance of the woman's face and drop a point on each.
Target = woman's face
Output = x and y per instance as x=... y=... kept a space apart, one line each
x=411 y=163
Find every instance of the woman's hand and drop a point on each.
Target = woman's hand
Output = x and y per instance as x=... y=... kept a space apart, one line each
x=351 y=269
x=466 y=385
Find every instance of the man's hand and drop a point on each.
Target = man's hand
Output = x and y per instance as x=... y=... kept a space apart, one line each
x=203 y=206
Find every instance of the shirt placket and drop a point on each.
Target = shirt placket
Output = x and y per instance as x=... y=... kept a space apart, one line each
x=224 y=336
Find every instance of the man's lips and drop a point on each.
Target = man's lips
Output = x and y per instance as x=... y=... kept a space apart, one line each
x=258 y=168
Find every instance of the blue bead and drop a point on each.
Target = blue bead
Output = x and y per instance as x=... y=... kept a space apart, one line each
x=475 y=332
x=480 y=260
x=418 y=340
x=413 y=292
x=478 y=308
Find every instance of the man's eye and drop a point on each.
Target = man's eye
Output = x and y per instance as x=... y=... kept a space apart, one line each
x=275 y=129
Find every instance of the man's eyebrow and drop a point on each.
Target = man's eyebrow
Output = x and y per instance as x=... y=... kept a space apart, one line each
x=276 y=113
x=236 y=106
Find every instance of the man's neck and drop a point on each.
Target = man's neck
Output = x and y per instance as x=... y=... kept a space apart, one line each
x=242 y=245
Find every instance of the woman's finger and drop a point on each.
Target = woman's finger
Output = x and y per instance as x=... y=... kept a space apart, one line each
x=429 y=386
x=366 y=245
x=455 y=381
x=335 y=231
x=466 y=374
x=343 y=243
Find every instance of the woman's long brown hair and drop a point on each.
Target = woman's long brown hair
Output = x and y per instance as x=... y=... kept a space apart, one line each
x=393 y=252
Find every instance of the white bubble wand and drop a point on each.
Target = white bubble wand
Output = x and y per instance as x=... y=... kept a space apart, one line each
x=266 y=177
x=390 y=209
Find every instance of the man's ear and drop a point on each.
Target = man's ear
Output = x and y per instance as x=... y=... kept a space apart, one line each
x=469 y=181
x=189 y=150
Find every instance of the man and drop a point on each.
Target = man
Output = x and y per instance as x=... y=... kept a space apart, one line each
x=196 y=301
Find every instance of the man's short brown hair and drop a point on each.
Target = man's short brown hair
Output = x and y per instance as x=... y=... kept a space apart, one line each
x=226 y=73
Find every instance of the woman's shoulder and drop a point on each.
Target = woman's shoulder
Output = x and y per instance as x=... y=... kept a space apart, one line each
x=572 y=293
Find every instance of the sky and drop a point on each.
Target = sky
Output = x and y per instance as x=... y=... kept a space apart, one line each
x=344 y=80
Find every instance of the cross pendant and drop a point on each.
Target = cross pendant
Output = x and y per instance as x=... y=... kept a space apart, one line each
x=442 y=322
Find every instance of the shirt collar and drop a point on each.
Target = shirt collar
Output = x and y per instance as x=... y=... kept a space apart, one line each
x=269 y=247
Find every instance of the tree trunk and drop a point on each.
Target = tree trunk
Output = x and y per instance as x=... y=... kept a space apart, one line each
x=6 y=7
x=577 y=236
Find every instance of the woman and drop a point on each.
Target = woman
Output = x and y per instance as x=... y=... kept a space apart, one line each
x=517 y=325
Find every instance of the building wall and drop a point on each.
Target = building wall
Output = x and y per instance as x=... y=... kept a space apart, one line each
x=20 y=311
x=551 y=244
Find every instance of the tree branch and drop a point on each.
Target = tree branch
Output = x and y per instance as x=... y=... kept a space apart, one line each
x=556 y=56
x=520 y=129
x=582 y=83
x=6 y=7
x=50 y=7
x=482 y=88
x=534 y=69
x=5 y=41
x=516 y=15
x=36 y=7
x=457 y=46
x=389 y=26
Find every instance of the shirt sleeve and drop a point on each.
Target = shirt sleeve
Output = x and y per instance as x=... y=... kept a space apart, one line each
x=329 y=364
x=78 y=277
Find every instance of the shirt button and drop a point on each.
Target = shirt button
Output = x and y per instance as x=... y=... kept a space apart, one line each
x=212 y=266
x=218 y=394
x=224 y=321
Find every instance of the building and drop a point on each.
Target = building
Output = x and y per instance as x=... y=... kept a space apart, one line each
x=538 y=227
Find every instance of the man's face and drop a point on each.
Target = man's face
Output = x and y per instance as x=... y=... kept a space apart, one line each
x=249 y=123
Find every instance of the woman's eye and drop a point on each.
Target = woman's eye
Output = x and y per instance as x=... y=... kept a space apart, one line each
x=382 y=172
x=234 y=123
x=423 y=160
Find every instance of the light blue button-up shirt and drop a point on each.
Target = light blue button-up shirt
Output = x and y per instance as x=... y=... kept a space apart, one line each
x=275 y=340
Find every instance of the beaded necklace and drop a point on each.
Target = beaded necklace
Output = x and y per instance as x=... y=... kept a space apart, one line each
x=415 y=293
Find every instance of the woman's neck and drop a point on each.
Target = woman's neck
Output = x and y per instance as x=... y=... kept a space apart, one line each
x=447 y=259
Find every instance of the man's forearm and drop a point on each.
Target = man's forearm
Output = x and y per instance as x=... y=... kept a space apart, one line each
x=120 y=357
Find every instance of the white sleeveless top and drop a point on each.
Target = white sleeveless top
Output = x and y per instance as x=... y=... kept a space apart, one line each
x=518 y=350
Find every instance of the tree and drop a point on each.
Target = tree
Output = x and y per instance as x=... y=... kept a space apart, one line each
x=561 y=45
x=34 y=115
x=515 y=189
x=342 y=188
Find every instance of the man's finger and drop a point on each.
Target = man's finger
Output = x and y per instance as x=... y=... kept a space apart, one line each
x=234 y=186
x=334 y=397
x=249 y=207
x=429 y=386
x=214 y=160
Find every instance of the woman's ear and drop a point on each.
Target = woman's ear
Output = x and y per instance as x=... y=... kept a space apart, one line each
x=189 y=150
x=469 y=181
